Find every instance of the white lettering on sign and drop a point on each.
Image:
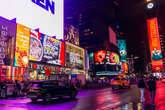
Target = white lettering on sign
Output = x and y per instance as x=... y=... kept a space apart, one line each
x=3 y=38
x=45 y=15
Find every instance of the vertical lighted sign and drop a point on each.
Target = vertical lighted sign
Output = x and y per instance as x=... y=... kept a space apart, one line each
x=22 y=46
x=154 y=42
x=121 y=44
x=7 y=36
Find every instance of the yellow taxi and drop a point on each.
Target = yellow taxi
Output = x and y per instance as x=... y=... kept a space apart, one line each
x=120 y=83
x=163 y=80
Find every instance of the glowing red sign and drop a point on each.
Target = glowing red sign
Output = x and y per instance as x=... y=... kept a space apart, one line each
x=100 y=56
x=155 y=49
x=106 y=57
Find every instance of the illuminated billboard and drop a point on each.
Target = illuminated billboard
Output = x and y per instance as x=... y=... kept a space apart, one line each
x=22 y=46
x=53 y=51
x=75 y=56
x=121 y=44
x=46 y=49
x=71 y=34
x=36 y=48
x=112 y=36
x=45 y=15
x=106 y=57
x=125 y=67
x=154 y=42
x=7 y=37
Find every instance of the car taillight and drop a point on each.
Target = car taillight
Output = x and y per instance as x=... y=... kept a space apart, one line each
x=39 y=94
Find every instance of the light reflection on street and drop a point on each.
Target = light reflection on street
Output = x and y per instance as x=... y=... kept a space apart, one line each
x=97 y=99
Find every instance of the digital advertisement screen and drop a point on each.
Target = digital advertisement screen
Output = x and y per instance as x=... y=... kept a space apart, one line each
x=22 y=46
x=121 y=44
x=36 y=48
x=75 y=56
x=45 y=15
x=125 y=67
x=46 y=49
x=154 y=42
x=106 y=57
x=7 y=37
x=53 y=50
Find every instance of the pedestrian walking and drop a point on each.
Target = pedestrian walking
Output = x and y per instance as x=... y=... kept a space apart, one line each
x=3 y=89
x=18 y=88
x=100 y=83
x=152 y=88
x=141 y=86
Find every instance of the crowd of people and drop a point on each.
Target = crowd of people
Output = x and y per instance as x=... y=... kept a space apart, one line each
x=13 y=88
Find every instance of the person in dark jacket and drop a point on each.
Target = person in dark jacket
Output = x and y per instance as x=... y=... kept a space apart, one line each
x=152 y=88
x=3 y=89
x=141 y=86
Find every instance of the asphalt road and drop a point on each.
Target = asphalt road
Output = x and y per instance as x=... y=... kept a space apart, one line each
x=95 y=99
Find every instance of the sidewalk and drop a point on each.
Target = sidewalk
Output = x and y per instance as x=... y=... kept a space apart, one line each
x=160 y=96
x=159 y=101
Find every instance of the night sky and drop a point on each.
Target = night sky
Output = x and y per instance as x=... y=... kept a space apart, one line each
x=131 y=15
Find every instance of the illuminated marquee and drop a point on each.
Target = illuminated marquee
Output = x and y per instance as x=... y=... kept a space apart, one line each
x=155 y=49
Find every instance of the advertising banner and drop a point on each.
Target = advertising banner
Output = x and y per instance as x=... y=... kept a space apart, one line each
x=22 y=46
x=45 y=15
x=53 y=51
x=75 y=56
x=154 y=42
x=112 y=36
x=121 y=44
x=125 y=67
x=7 y=36
x=36 y=48
x=71 y=34
x=46 y=49
x=106 y=57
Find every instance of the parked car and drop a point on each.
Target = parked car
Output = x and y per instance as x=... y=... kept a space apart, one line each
x=120 y=83
x=47 y=90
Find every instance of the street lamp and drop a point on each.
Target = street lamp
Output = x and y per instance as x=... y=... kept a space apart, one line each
x=150 y=5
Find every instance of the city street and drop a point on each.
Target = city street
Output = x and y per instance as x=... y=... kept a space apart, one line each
x=99 y=99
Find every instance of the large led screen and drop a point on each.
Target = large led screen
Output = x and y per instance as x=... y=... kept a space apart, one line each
x=46 y=49
x=121 y=44
x=106 y=57
x=75 y=56
x=36 y=48
x=7 y=36
x=22 y=46
x=47 y=15
x=53 y=51
x=154 y=42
